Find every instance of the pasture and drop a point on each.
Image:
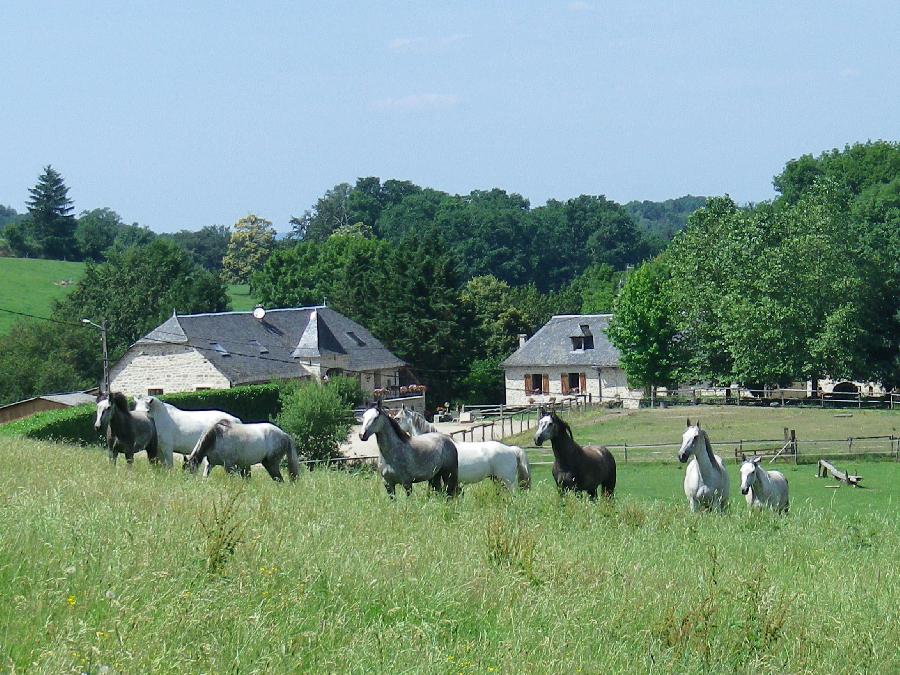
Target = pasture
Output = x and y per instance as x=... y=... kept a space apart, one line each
x=108 y=570
x=31 y=286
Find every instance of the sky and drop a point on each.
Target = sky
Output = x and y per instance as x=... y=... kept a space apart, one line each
x=184 y=114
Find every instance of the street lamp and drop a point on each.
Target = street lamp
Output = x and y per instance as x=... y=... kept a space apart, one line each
x=102 y=328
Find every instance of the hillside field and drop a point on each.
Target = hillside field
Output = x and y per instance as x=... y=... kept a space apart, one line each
x=31 y=285
x=108 y=570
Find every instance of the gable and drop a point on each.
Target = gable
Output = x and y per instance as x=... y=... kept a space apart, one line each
x=568 y=340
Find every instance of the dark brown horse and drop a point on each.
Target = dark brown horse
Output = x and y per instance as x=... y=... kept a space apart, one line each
x=576 y=468
x=130 y=430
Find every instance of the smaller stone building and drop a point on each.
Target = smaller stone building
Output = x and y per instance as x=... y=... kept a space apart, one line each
x=569 y=356
x=223 y=350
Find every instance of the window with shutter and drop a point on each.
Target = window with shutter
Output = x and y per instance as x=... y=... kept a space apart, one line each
x=582 y=382
x=545 y=384
x=528 y=386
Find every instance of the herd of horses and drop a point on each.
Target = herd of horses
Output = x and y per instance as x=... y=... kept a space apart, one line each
x=412 y=450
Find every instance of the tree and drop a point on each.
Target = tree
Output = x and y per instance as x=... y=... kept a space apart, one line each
x=598 y=286
x=44 y=357
x=643 y=327
x=330 y=212
x=208 y=245
x=139 y=287
x=50 y=215
x=251 y=244
x=96 y=231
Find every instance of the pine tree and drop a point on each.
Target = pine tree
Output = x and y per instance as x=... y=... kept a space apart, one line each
x=51 y=216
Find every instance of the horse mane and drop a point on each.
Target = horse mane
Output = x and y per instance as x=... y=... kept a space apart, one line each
x=708 y=447
x=117 y=398
x=421 y=424
x=397 y=428
x=567 y=430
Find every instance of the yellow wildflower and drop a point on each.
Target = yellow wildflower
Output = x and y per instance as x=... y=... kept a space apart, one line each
x=71 y=600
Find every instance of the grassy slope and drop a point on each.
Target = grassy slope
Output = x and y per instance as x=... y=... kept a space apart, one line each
x=29 y=285
x=102 y=566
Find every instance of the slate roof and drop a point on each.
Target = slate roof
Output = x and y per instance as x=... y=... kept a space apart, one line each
x=245 y=349
x=552 y=344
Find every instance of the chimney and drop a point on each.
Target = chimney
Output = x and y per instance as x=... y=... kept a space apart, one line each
x=522 y=339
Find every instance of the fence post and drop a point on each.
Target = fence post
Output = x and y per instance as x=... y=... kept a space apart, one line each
x=794 y=445
x=859 y=399
x=626 y=452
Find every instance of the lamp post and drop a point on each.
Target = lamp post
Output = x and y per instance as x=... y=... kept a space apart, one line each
x=102 y=328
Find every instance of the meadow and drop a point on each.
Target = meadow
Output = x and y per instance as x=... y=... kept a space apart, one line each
x=41 y=279
x=31 y=286
x=113 y=570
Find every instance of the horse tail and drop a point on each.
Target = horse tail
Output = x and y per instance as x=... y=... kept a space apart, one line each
x=523 y=470
x=293 y=461
x=207 y=440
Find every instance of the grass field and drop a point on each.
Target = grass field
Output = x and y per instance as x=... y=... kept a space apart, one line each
x=241 y=300
x=111 y=570
x=31 y=286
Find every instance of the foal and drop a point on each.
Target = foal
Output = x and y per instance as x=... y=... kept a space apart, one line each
x=763 y=489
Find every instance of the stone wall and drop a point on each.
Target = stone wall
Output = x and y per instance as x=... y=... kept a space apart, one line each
x=603 y=384
x=170 y=368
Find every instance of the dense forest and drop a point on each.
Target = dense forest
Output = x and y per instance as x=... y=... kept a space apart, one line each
x=802 y=287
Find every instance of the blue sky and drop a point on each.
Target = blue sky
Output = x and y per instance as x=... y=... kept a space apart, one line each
x=180 y=115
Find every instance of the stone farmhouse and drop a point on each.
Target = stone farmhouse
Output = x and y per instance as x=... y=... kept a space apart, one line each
x=569 y=356
x=219 y=351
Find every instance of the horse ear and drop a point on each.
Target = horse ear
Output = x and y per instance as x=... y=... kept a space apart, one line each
x=698 y=423
x=743 y=457
x=757 y=460
x=688 y=421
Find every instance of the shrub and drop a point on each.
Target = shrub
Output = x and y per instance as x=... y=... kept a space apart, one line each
x=317 y=418
x=348 y=388
x=252 y=403
x=69 y=425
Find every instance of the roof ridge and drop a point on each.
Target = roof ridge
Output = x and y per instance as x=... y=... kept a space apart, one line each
x=278 y=309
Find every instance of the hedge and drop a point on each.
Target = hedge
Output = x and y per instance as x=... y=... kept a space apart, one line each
x=254 y=403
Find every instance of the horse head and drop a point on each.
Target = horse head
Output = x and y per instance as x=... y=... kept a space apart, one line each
x=748 y=474
x=144 y=403
x=547 y=428
x=104 y=408
x=372 y=420
x=688 y=441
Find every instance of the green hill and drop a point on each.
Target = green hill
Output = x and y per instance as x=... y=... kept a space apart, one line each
x=31 y=285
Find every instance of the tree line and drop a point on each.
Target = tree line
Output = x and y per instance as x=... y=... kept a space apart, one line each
x=798 y=288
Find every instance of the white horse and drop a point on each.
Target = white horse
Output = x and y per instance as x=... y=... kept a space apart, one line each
x=178 y=430
x=763 y=489
x=477 y=461
x=238 y=446
x=705 y=480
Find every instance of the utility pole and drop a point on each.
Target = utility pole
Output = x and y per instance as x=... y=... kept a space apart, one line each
x=102 y=329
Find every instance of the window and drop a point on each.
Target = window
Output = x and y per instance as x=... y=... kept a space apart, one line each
x=573 y=383
x=582 y=342
x=537 y=383
x=219 y=348
x=260 y=347
x=353 y=336
x=154 y=392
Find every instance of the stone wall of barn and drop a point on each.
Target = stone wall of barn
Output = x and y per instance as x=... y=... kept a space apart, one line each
x=164 y=369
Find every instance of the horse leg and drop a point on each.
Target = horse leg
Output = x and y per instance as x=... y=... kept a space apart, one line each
x=273 y=466
x=435 y=483
x=391 y=489
x=245 y=472
x=451 y=482
x=129 y=457
x=592 y=493
x=408 y=488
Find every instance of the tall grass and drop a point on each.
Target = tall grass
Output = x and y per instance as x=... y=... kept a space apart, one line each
x=105 y=569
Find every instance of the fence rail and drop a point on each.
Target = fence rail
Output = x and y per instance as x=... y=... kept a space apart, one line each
x=789 y=449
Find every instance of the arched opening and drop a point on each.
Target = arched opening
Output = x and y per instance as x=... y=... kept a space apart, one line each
x=845 y=388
